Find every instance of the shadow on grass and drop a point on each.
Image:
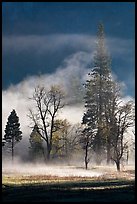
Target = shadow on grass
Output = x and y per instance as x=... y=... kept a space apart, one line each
x=81 y=191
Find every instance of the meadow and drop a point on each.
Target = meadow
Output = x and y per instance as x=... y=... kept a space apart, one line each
x=107 y=186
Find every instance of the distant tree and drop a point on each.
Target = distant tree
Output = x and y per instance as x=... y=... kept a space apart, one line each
x=60 y=137
x=48 y=103
x=65 y=139
x=71 y=140
x=36 y=149
x=13 y=134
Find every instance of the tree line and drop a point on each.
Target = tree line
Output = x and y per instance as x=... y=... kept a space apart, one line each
x=104 y=124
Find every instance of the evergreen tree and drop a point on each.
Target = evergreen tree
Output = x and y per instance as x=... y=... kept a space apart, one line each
x=13 y=134
x=36 y=148
x=98 y=88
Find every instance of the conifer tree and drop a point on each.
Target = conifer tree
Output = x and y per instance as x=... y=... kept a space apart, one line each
x=13 y=134
x=36 y=147
x=97 y=94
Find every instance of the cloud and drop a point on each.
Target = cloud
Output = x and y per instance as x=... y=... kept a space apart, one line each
x=40 y=44
x=73 y=66
x=119 y=46
x=56 y=42
x=73 y=113
x=50 y=43
x=44 y=53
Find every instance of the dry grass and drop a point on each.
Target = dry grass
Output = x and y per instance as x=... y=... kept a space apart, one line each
x=23 y=179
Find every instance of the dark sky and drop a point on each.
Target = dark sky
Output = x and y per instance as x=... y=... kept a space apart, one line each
x=38 y=36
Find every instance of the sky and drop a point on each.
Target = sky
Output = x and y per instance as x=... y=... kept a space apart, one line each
x=54 y=42
x=38 y=36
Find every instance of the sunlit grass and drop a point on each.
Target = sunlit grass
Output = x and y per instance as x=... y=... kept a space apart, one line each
x=40 y=179
x=48 y=179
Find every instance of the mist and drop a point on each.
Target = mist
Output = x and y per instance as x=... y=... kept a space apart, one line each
x=60 y=170
x=73 y=169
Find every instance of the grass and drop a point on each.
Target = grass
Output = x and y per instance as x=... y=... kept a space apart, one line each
x=67 y=189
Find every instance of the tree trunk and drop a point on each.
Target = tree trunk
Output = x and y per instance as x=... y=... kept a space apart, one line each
x=86 y=158
x=118 y=165
x=86 y=165
x=12 y=149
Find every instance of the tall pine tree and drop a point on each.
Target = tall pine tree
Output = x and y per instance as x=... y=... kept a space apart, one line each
x=98 y=88
x=13 y=134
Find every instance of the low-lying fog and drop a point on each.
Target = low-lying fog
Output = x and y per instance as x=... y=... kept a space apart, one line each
x=61 y=170
x=53 y=170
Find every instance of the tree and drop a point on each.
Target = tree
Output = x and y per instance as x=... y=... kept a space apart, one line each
x=65 y=139
x=60 y=136
x=13 y=134
x=95 y=97
x=48 y=103
x=87 y=135
x=85 y=141
x=36 y=144
x=71 y=140
x=124 y=120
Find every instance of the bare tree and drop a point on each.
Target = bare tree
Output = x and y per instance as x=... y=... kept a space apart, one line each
x=124 y=120
x=48 y=103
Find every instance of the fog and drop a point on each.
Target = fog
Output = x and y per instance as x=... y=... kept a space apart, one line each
x=58 y=169
x=48 y=170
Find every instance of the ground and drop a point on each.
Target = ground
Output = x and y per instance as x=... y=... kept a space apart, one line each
x=108 y=187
